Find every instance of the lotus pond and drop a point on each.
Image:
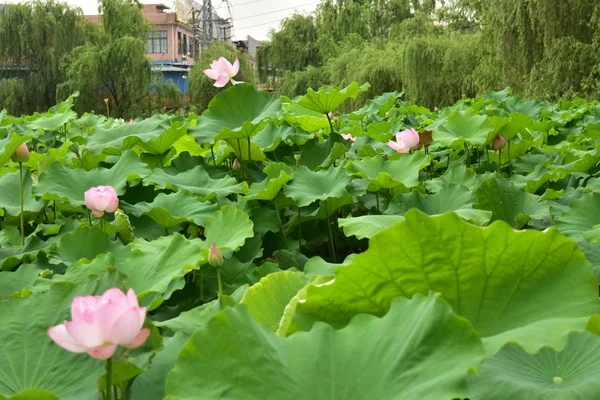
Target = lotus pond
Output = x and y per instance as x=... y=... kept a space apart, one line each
x=281 y=249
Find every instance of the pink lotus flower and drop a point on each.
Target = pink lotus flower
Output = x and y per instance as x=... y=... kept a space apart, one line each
x=405 y=141
x=499 y=143
x=21 y=154
x=222 y=71
x=101 y=199
x=348 y=136
x=236 y=165
x=101 y=323
x=215 y=258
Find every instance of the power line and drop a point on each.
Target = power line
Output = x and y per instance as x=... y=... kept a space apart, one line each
x=276 y=11
x=248 y=2
x=266 y=23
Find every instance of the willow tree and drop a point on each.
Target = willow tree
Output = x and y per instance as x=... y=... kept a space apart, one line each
x=294 y=46
x=518 y=32
x=34 y=37
x=114 y=66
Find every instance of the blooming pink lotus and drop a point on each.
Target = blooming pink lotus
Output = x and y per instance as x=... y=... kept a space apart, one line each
x=499 y=142
x=21 y=154
x=101 y=323
x=101 y=199
x=348 y=136
x=222 y=71
x=405 y=141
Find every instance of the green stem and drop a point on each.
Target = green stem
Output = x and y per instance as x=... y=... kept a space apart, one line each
x=116 y=392
x=330 y=124
x=249 y=151
x=509 y=162
x=281 y=224
x=499 y=160
x=22 y=201
x=299 y=231
x=220 y=284
x=487 y=157
x=109 y=379
x=201 y=283
x=331 y=244
x=166 y=231
x=90 y=217
x=242 y=170
x=212 y=151
x=377 y=199
x=54 y=210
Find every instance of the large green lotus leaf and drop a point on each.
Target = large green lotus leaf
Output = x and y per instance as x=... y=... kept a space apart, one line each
x=578 y=161
x=367 y=225
x=308 y=186
x=379 y=105
x=157 y=268
x=530 y=287
x=12 y=253
x=457 y=175
x=189 y=321
x=307 y=119
x=196 y=181
x=30 y=360
x=236 y=113
x=427 y=356
x=10 y=199
x=462 y=127
x=328 y=98
x=11 y=282
x=581 y=218
x=59 y=182
x=272 y=135
x=50 y=121
x=449 y=197
x=169 y=210
x=278 y=174
x=166 y=140
x=85 y=243
x=240 y=148
x=150 y=385
x=571 y=373
x=78 y=272
x=9 y=144
x=517 y=123
x=398 y=175
x=267 y=299
x=510 y=203
x=228 y=229
x=113 y=140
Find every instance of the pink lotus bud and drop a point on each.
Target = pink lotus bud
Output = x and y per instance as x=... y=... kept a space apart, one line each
x=330 y=114
x=100 y=199
x=131 y=121
x=222 y=71
x=499 y=142
x=21 y=154
x=348 y=136
x=236 y=164
x=215 y=258
x=101 y=323
x=405 y=141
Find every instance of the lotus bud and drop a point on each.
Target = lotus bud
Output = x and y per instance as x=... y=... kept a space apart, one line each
x=215 y=258
x=297 y=156
x=236 y=165
x=499 y=143
x=21 y=154
x=316 y=137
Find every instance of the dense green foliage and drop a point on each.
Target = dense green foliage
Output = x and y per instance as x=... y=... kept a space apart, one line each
x=445 y=272
x=440 y=52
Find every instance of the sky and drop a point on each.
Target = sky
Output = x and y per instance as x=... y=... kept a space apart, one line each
x=250 y=17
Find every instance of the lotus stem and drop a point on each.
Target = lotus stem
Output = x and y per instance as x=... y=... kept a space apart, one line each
x=249 y=151
x=330 y=124
x=499 y=160
x=377 y=199
x=220 y=284
x=90 y=217
x=212 y=151
x=22 y=198
x=331 y=243
x=281 y=225
x=299 y=231
x=201 y=283
x=109 y=378
x=509 y=161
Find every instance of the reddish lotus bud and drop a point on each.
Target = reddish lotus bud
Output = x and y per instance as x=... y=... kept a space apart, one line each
x=21 y=154
x=236 y=164
x=215 y=258
x=499 y=143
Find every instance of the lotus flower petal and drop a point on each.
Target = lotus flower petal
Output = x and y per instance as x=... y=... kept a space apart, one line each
x=61 y=337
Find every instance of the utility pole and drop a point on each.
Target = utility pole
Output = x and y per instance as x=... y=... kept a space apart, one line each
x=194 y=35
x=207 y=23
